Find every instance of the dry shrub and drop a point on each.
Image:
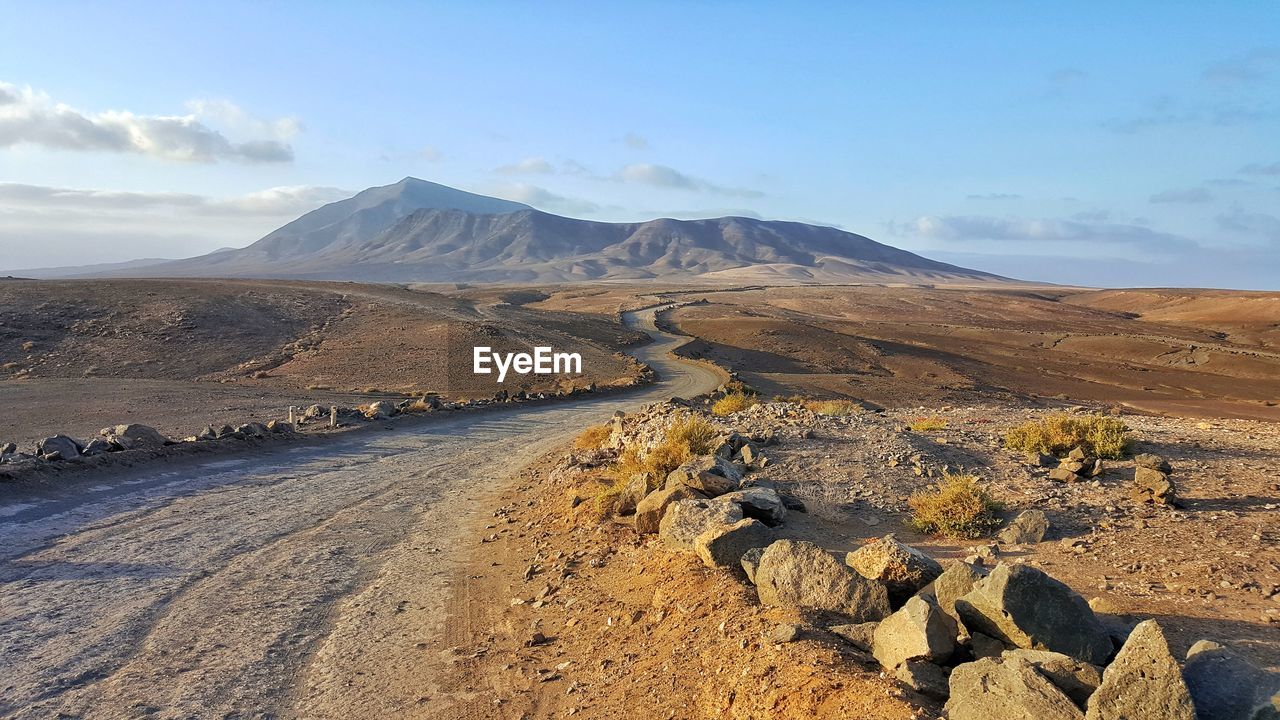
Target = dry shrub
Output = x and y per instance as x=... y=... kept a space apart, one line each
x=837 y=408
x=686 y=437
x=593 y=438
x=958 y=507
x=927 y=424
x=419 y=405
x=1059 y=433
x=694 y=432
x=733 y=402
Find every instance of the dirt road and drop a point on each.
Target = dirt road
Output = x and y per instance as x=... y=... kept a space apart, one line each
x=303 y=583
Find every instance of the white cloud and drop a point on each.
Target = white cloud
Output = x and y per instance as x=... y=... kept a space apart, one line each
x=527 y=166
x=286 y=201
x=667 y=177
x=33 y=118
x=1190 y=196
x=635 y=142
x=1261 y=169
x=545 y=200
x=979 y=227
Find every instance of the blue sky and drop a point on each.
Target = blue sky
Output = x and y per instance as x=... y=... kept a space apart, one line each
x=1073 y=142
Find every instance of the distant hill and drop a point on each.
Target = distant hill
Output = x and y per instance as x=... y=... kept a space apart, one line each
x=416 y=231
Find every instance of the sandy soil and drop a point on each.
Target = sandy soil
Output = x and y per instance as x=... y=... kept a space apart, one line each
x=298 y=584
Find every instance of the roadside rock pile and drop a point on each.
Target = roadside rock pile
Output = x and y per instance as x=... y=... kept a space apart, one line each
x=116 y=438
x=1076 y=466
x=1151 y=481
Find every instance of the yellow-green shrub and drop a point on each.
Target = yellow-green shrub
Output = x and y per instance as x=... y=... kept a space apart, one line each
x=1059 y=433
x=593 y=438
x=927 y=424
x=958 y=507
x=733 y=402
x=685 y=437
x=832 y=407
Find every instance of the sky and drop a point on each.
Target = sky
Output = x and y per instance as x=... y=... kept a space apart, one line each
x=1116 y=144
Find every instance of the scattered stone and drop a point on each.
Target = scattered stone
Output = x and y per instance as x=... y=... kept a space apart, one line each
x=1153 y=486
x=1153 y=462
x=722 y=546
x=1039 y=459
x=1029 y=526
x=1144 y=682
x=795 y=573
x=923 y=677
x=859 y=635
x=902 y=568
x=1024 y=607
x=1062 y=474
x=252 y=429
x=785 y=633
x=708 y=474
x=63 y=445
x=136 y=435
x=1007 y=689
x=750 y=561
x=685 y=520
x=1226 y=686
x=762 y=503
x=918 y=631
x=650 y=510
x=1075 y=678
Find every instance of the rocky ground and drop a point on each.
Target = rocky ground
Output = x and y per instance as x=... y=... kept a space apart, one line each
x=588 y=617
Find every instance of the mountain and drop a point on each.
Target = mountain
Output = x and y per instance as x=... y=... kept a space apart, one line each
x=416 y=231
x=70 y=271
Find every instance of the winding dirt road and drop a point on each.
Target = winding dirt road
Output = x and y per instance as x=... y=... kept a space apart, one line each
x=303 y=582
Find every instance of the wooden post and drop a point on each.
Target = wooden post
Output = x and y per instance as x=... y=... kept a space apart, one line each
x=292 y=419
x=333 y=416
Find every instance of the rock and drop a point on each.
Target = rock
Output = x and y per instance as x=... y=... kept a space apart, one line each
x=53 y=456
x=1062 y=474
x=1077 y=454
x=1152 y=462
x=707 y=474
x=380 y=410
x=1097 y=469
x=1029 y=526
x=750 y=561
x=226 y=431
x=1039 y=459
x=785 y=633
x=685 y=520
x=762 y=503
x=1075 y=678
x=632 y=493
x=253 y=429
x=1225 y=686
x=859 y=635
x=1006 y=689
x=749 y=453
x=985 y=646
x=1144 y=681
x=954 y=583
x=137 y=435
x=722 y=546
x=902 y=569
x=208 y=433
x=1153 y=486
x=795 y=573
x=63 y=445
x=315 y=412
x=1075 y=466
x=97 y=446
x=918 y=631
x=280 y=426
x=8 y=448
x=650 y=510
x=923 y=677
x=1024 y=607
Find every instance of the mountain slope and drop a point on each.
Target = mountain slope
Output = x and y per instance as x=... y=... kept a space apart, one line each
x=421 y=232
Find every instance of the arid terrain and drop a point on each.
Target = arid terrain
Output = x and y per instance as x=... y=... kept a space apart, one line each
x=457 y=566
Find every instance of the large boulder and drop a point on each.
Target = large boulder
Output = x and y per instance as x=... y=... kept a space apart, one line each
x=650 y=510
x=902 y=568
x=924 y=677
x=97 y=446
x=795 y=573
x=1225 y=686
x=66 y=447
x=1076 y=678
x=859 y=635
x=708 y=474
x=750 y=561
x=632 y=493
x=1153 y=486
x=1028 y=526
x=134 y=435
x=1006 y=689
x=685 y=520
x=381 y=410
x=954 y=583
x=762 y=503
x=1026 y=608
x=722 y=546
x=917 y=631
x=1144 y=682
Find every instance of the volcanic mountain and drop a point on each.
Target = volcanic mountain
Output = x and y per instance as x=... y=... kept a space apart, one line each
x=417 y=231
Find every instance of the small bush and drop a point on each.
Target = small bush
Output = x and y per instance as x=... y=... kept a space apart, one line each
x=958 y=507
x=593 y=438
x=694 y=432
x=927 y=424
x=1059 y=433
x=837 y=408
x=686 y=437
x=732 y=403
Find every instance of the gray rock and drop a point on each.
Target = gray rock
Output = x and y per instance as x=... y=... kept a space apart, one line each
x=983 y=646
x=253 y=429
x=954 y=583
x=280 y=426
x=8 y=448
x=1144 y=682
x=1226 y=686
x=1152 y=461
x=98 y=446
x=708 y=474
x=750 y=561
x=1076 y=678
x=632 y=493
x=762 y=503
x=923 y=677
x=1153 y=486
x=859 y=635
x=64 y=446
x=381 y=410
x=917 y=631
x=685 y=520
x=1006 y=689
x=650 y=510
x=786 y=633
x=208 y=433
x=795 y=573
x=1063 y=474
x=902 y=569
x=1023 y=607
x=1029 y=526
x=722 y=546
x=138 y=436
